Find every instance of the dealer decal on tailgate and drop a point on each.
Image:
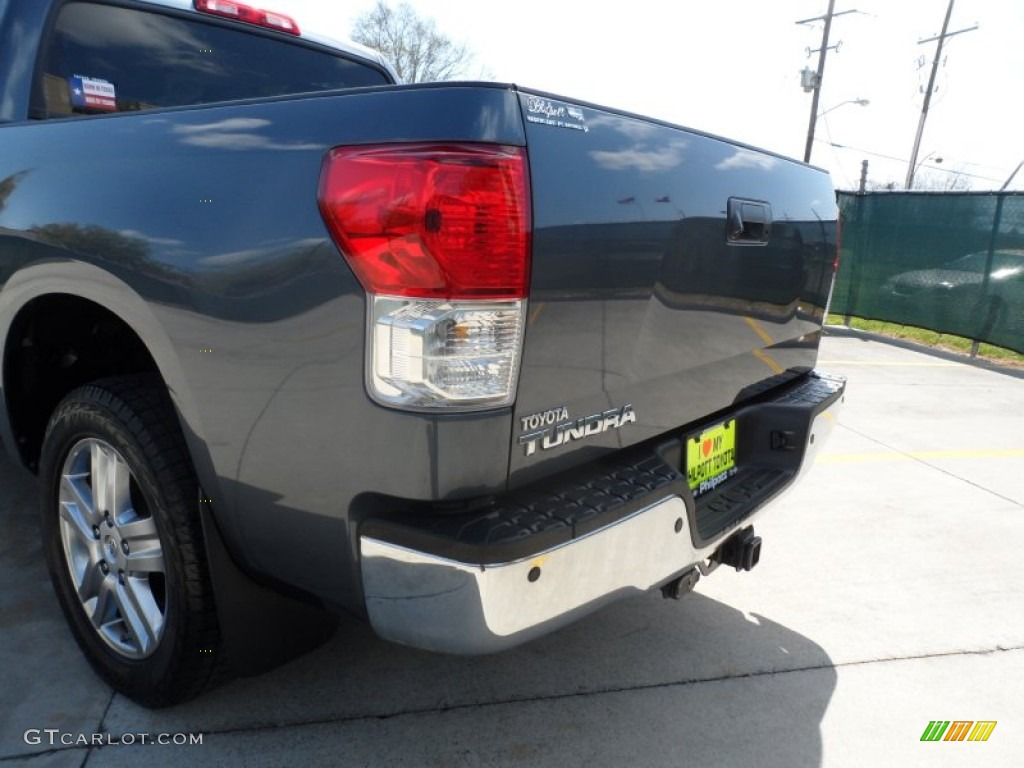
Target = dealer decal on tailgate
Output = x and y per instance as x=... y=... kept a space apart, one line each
x=711 y=457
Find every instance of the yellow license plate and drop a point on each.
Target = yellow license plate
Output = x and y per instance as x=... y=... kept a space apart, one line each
x=711 y=457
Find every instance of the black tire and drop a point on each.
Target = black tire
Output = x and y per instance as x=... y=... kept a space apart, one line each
x=149 y=625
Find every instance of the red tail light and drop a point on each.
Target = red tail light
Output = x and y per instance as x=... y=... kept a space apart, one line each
x=445 y=221
x=229 y=9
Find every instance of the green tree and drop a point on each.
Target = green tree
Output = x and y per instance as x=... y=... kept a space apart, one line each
x=414 y=46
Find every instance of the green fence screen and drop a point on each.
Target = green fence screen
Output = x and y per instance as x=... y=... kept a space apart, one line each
x=951 y=262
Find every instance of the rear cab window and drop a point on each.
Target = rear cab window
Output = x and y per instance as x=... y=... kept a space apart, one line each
x=104 y=58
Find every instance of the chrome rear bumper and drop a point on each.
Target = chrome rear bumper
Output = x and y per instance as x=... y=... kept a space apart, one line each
x=420 y=599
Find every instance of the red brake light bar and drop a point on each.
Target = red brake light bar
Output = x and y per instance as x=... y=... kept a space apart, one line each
x=279 y=22
x=229 y=9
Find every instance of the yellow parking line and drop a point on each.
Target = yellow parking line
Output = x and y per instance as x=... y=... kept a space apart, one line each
x=855 y=458
x=776 y=368
x=535 y=313
x=768 y=340
x=759 y=330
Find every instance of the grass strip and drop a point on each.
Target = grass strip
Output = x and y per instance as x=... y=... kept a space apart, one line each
x=929 y=338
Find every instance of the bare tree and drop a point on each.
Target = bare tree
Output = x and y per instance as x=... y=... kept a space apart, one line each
x=942 y=180
x=930 y=180
x=882 y=186
x=413 y=45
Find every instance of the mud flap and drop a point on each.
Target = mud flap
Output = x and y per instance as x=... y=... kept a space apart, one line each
x=260 y=628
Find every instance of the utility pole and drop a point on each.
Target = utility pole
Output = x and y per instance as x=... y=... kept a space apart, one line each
x=941 y=38
x=863 y=176
x=1010 y=177
x=822 y=53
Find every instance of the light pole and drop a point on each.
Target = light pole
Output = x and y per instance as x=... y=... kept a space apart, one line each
x=923 y=160
x=859 y=102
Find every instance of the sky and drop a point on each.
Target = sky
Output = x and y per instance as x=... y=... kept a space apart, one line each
x=733 y=69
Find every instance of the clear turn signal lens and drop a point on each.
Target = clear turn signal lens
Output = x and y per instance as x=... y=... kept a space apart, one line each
x=445 y=354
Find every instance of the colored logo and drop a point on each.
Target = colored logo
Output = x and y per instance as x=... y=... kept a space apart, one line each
x=92 y=93
x=958 y=730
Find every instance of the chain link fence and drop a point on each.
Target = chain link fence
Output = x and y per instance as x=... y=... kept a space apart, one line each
x=948 y=261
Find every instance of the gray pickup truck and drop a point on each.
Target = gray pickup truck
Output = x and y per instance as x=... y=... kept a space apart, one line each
x=282 y=338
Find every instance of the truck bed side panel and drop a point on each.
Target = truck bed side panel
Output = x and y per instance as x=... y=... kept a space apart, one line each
x=207 y=218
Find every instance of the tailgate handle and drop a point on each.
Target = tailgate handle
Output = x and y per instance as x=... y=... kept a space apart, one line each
x=749 y=222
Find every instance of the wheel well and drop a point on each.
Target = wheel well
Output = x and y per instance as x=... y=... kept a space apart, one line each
x=55 y=344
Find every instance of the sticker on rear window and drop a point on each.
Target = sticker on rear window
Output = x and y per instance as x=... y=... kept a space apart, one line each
x=92 y=93
x=555 y=114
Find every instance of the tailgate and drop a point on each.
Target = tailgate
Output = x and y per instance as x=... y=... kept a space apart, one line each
x=674 y=275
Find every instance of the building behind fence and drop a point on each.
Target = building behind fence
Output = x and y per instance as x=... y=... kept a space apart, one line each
x=948 y=261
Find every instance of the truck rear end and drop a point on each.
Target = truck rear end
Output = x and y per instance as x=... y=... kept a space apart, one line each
x=647 y=300
x=465 y=359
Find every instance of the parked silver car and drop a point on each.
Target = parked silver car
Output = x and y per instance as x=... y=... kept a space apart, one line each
x=956 y=287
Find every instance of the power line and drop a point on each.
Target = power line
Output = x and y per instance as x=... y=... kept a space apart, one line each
x=996 y=168
x=828 y=132
x=904 y=160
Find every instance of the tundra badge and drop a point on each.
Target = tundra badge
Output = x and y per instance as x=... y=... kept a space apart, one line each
x=557 y=434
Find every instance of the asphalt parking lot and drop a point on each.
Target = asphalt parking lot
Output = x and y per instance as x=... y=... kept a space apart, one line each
x=889 y=595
